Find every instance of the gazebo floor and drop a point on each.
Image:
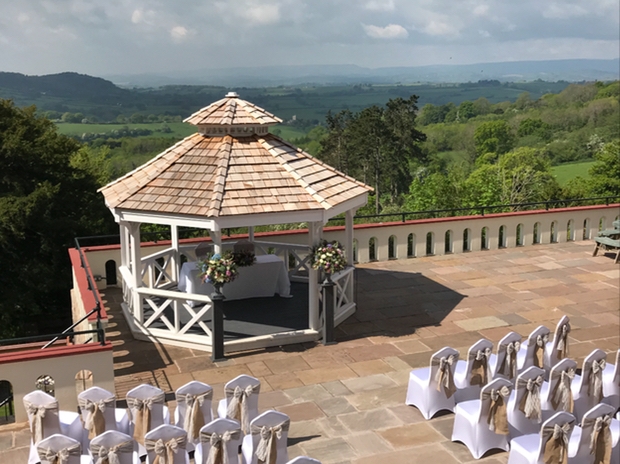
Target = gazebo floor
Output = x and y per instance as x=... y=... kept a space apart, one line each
x=255 y=316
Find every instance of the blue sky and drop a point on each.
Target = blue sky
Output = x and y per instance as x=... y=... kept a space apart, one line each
x=135 y=36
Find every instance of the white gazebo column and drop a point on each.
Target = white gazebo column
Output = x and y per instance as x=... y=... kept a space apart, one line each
x=315 y=231
x=174 y=236
x=251 y=234
x=124 y=234
x=216 y=237
x=348 y=240
x=136 y=269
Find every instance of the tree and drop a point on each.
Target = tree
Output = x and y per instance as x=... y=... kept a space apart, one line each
x=335 y=147
x=494 y=137
x=466 y=111
x=47 y=197
x=605 y=172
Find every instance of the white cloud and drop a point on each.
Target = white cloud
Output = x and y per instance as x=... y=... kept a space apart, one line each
x=484 y=33
x=481 y=10
x=380 y=5
x=391 y=31
x=179 y=33
x=261 y=14
x=564 y=11
x=440 y=28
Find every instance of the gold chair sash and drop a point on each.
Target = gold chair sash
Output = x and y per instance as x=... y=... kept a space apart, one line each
x=555 y=447
x=508 y=367
x=530 y=401
x=266 y=451
x=37 y=413
x=539 y=350
x=444 y=376
x=165 y=450
x=61 y=456
x=497 y=417
x=140 y=412
x=479 y=374
x=194 y=418
x=95 y=420
x=595 y=381
x=110 y=455
x=562 y=346
x=237 y=408
x=562 y=395
x=217 y=452
x=600 y=439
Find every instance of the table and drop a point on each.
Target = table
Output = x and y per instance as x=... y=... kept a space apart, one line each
x=265 y=278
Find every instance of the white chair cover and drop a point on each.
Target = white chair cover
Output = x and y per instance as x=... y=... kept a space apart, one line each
x=114 y=447
x=45 y=420
x=471 y=375
x=611 y=383
x=592 y=442
x=555 y=433
x=241 y=401
x=431 y=389
x=504 y=363
x=303 y=460
x=532 y=351
x=193 y=409
x=147 y=410
x=483 y=424
x=166 y=445
x=524 y=407
x=59 y=449
x=219 y=443
x=556 y=395
x=267 y=442
x=558 y=348
x=98 y=407
x=588 y=388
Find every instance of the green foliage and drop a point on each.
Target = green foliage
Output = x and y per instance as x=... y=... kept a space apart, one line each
x=605 y=172
x=48 y=196
x=494 y=137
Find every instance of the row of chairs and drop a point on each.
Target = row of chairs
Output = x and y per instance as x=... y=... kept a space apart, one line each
x=146 y=411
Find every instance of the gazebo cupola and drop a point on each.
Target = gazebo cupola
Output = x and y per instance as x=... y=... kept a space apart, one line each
x=232 y=116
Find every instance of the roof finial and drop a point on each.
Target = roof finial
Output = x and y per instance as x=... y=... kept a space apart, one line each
x=232 y=95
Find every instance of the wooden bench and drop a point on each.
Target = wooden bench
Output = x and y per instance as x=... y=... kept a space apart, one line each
x=607 y=243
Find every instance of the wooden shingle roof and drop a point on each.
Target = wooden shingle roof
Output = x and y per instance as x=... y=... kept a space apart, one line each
x=227 y=176
x=232 y=110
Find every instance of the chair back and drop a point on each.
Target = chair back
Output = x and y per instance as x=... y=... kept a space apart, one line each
x=559 y=346
x=95 y=403
x=303 y=460
x=267 y=427
x=493 y=405
x=243 y=245
x=616 y=374
x=445 y=358
x=527 y=393
x=592 y=376
x=146 y=407
x=112 y=441
x=595 y=432
x=564 y=421
x=42 y=410
x=242 y=400
x=168 y=440
x=506 y=361
x=536 y=344
x=559 y=393
x=193 y=408
x=223 y=433
x=203 y=250
x=53 y=447
x=477 y=370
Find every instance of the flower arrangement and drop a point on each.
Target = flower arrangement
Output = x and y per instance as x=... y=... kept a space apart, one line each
x=244 y=258
x=328 y=257
x=218 y=270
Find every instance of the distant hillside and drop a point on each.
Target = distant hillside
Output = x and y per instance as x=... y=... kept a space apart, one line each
x=67 y=85
x=269 y=76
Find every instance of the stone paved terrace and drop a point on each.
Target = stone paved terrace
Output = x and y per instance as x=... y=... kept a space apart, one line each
x=346 y=401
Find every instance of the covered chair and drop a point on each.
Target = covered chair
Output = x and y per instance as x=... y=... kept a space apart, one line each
x=532 y=352
x=303 y=460
x=611 y=383
x=504 y=363
x=147 y=410
x=588 y=388
x=193 y=409
x=99 y=413
x=203 y=250
x=524 y=408
x=482 y=424
x=268 y=436
x=557 y=349
x=166 y=444
x=431 y=389
x=60 y=449
x=45 y=419
x=592 y=442
x=549 y=445
x=219 y=442
x=556 y=394
x=241 y=401
x=243 y=246
x=471 y=375
x=114 y=446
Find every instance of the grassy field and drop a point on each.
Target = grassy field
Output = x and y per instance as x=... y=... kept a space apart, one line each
x=179 y=129
x=565 y=172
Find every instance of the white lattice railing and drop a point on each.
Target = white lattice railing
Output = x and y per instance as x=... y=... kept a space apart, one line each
x=344 y=295
x=158 y=269
x=295 y=257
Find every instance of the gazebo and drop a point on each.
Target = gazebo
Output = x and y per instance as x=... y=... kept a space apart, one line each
x=232 y=173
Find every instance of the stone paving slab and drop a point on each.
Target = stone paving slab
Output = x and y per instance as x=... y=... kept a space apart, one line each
x=346 y=401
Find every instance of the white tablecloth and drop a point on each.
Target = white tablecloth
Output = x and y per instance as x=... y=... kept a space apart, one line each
x=266 y=277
